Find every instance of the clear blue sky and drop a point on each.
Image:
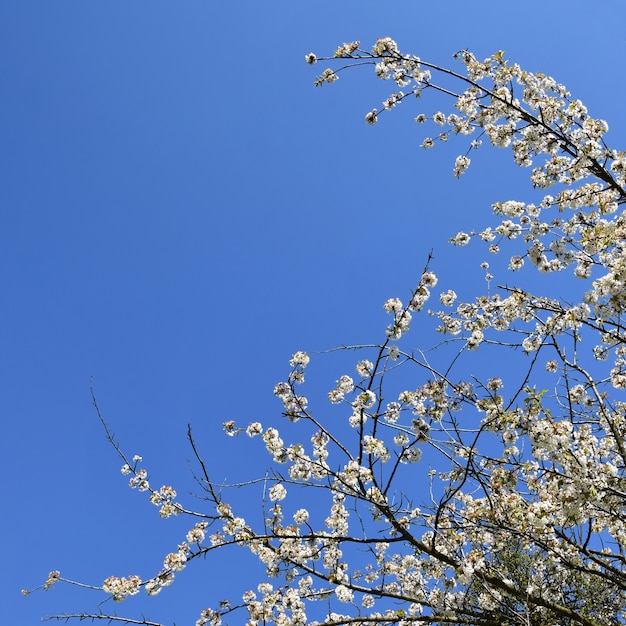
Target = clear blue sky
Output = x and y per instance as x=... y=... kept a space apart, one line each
x=180 y=210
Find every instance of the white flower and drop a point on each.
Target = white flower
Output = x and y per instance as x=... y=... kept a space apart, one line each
x=327 y=76
x=282 y=389
x=447 y=298
x=335 y=396
x=343 y=593
x=393 y=353
x=577 y=394
x=153 y=587
x=358 y=418
x=300 y=359
x=401 y=439
x=531 y=343
x=175 y=561
x=368 y=601
x=277 y=493
x=475 y=340
x=393 y=305
x=392 y=412
x=411 y=455
x=168 y=509
x=254 y=429
x=196 y=534
x=248 y=596
x=119 y=588
x=385 y=45
x=376 y=447
x=364 y=368
x=265 y=588
x=460 y=165
x=509 y=436
x=460 y=239
x=429 y=279
x=365 y=400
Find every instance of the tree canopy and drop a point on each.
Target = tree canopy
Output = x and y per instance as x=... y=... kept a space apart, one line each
x=429 y=492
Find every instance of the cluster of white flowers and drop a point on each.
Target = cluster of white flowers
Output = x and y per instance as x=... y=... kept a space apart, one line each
x=376 y=447
x=294 y=405
x=345 y=385
x=344 y=594
x=301 y=516
x=121 y=588
x=460 y=165
x=275 y=445
x=327 y=76
x=176 y=561
x=299 y=359
x=197 y=533
x=209 y=617
x=503 y=528
x=164 y=497
x=364 y=368
x=448 y=298
x=253 y=429
x=402 y=318
x=361 y=403
x=527 y=520
x=278 y=492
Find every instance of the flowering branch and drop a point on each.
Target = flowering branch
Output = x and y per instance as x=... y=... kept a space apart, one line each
x=434 y=495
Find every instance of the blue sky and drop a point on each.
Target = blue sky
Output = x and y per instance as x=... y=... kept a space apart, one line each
x=181 y=210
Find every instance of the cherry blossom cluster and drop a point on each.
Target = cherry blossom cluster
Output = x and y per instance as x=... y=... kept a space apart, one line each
x=421 y=492
x=119 y=588
x=164 y=497
x=500 y=532
x=535 y=117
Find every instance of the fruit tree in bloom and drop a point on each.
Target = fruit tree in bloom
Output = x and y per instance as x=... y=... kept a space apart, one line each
x=427 y=494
